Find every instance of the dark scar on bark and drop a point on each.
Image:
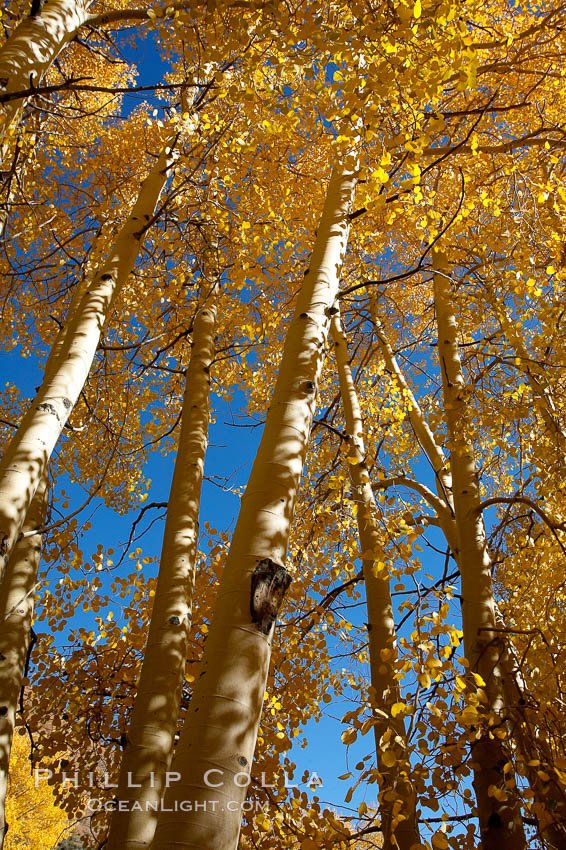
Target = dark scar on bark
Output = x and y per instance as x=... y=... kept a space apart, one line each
x=269 y=585
x=49 y=408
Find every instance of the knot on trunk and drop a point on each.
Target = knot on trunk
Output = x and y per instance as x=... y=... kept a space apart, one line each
x=269 y=585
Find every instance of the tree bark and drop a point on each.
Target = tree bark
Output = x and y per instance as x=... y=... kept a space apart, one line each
x=28 y=453
x=500 y=820
x=397 y=798
x=219 y=735
x=17 y=601
x=16 y=611
x=155 y=714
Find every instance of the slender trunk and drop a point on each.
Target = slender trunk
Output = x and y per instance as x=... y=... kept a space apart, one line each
x=29 y=51
x=533 y=746
x=17 y=601
x=155 y=714
x=534 y=373
x=29 y=451
x=399 y=822
x=425 y=437
x=14 y=175
x=500 y=820
x=515 y=692
x=422 y=430
x=219 y=735
x=16 y=610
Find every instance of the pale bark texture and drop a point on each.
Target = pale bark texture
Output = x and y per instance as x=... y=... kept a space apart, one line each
x=17 y=601
x=16 y=611
x=28 y=453
x=220 y=729
x=397 y=799
x=29 y=51
x=500 y=822
x=155 y=714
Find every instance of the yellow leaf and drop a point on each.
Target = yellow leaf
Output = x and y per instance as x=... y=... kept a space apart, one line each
x=381 y=175
x=398 y=708
x=263 y=822
x=388 y=758
x=378 y=568
x=468 y=715
x=417 y=13
x=349 y=736
x=497 y=793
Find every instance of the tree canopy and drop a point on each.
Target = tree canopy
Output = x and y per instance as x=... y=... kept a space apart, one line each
x=283 y=422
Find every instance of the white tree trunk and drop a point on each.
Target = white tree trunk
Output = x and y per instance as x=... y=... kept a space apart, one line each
x=28 y=453
x=29 y=51
x=16 y=610
x=221 y=726
x=397 y=797
x=155 y=714
x=500 y=821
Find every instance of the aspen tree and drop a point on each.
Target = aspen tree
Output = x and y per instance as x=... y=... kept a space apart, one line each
x=422 y=430
x=16 y=611
x=531 y=745
x=17 y=601
x=443 y=504
x=38 y=40
x=499 y=814
x=220 y=731
x=399 y=828
x=28 y=453
x=534 y=373
x=514 y=685
x=30 y=50
x=155 y=713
